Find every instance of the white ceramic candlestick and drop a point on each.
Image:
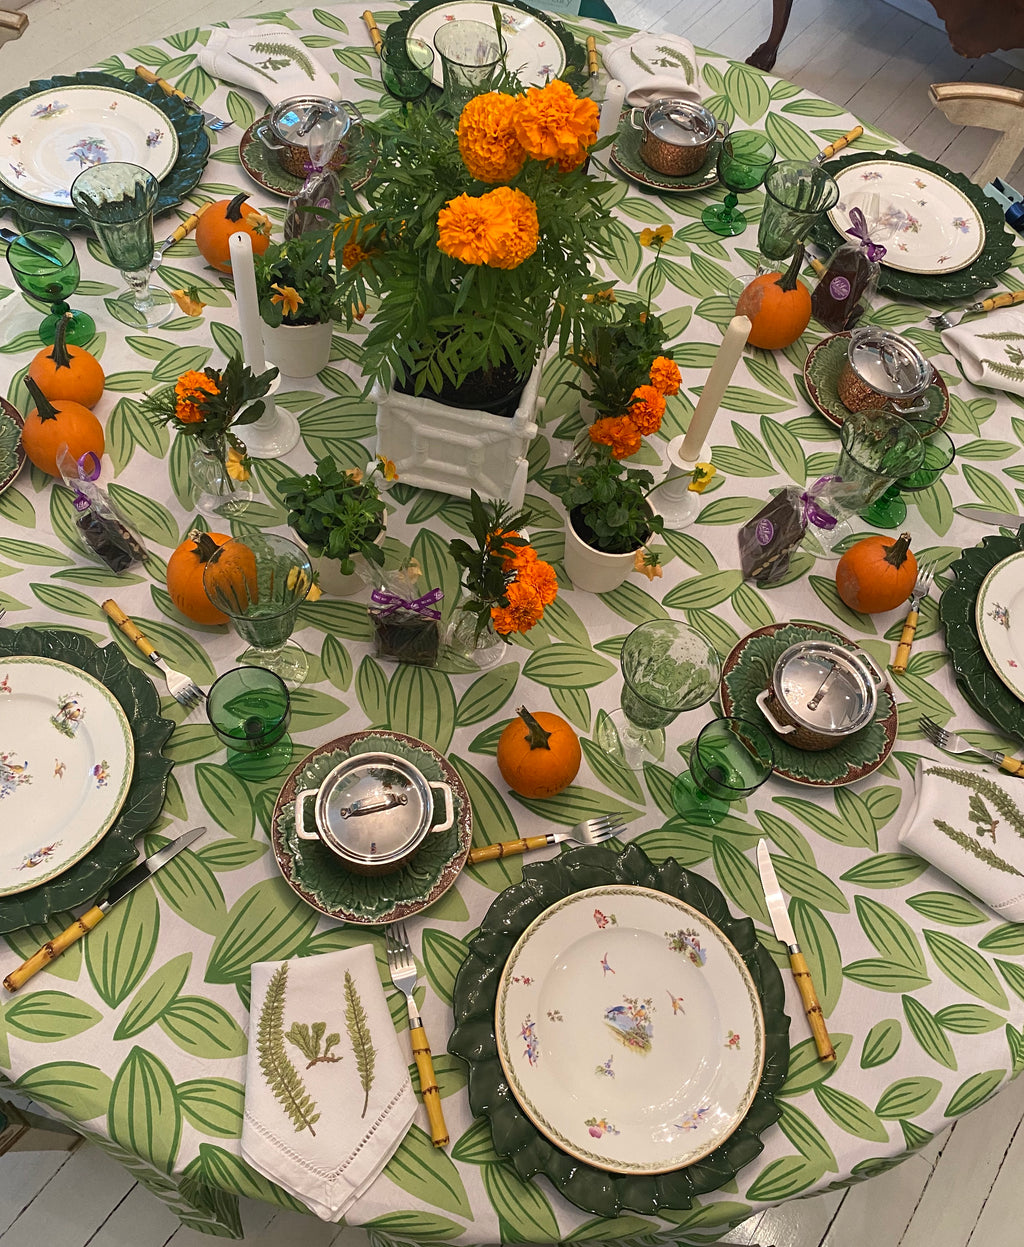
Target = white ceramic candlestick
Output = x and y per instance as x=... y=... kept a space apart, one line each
x=673 y=499
x=275 y=432
x=611 y=108
x=714 y=388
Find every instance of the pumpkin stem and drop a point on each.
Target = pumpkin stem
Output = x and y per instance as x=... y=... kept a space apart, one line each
x=896 y=554
x=790 y=278
x=233 y=211
x=537 y=737
x=60 y=355
x=206 y=547
x=44 y=408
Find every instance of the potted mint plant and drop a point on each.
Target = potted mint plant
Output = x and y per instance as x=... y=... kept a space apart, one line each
x=299 y=302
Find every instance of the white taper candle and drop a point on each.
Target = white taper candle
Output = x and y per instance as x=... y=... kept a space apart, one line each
x=611 y=108
x=249 y=323
x=714 y=387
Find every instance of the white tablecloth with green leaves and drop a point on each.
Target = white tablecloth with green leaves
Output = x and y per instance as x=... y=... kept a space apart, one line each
x=923 y=989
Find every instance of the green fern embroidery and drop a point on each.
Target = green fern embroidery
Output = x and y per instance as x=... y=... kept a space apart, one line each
x=979 y=814
x=637 y=61
x=1004 y=335
x=980 y=851
x=287 y=54
x=986 y=788
x=359 y=1034
x=281 y=1076
x=672 y=57
x=1012 y=372
x=307 y=1038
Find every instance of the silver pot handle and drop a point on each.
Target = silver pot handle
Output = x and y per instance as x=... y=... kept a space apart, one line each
x=449 y=805
x=632 y=118
x=783 y=729
x=876 y=674
x=897 y=407
x=262 y=132
x=300 y=814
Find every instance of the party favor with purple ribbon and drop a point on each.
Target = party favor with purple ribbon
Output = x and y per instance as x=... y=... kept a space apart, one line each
x=768 y=540
x=103 y=528
x=850 y=277
x=406 y=620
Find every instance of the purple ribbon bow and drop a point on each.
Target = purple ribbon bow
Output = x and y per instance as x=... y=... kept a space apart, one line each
x=860 y=231
x=810 y=511
x=421 y=605
x=88 y=470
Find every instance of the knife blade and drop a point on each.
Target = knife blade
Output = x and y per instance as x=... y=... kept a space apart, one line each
x=985 y=515
x=783 y=929
x=117 y=891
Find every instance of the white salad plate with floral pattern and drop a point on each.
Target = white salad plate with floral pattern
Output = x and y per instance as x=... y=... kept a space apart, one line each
x=630 y=1030
x=927 y=225
x=46 y=140
x=66 y=761
x=534 y=51
x=999 y=616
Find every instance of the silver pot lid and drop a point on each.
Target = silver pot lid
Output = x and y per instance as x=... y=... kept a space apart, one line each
x=374 y=808
x=889 y=363
x=825 y=687
x=303 y=119
x=683 y=123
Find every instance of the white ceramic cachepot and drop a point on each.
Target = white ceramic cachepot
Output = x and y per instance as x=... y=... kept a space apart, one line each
x=592 y=570
x=332 y=580
x=298 y=350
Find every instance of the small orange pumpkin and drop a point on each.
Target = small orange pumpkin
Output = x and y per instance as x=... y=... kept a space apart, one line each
x=778 y=306
x=877 y=574
x=185 y=570
x=231 y=577
x=540 y=758
x=62 y=371
x=50 y=425
x=224 y=218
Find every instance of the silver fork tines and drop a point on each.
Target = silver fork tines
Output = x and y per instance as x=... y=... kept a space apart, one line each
x=401 y=963
x=950 y=742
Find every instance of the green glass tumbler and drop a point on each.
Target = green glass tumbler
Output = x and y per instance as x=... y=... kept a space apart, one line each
x=471 y=55
x=743 y=160
x=406 y=66
x=249 y=709
x=117 y=200
x=45 y=266
x=890 y=511
x=796 y=194
x=730 y=760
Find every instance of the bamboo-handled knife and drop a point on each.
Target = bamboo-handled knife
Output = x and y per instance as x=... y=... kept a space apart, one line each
x=783 y=929
x=837 y=145
x=118 y=890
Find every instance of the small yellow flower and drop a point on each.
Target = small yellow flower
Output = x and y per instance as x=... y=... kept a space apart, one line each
x=647 y=563
x=701 y=477
x=299 y=583
x=601 y=296
x=288 y=297
x=355 y=475
x=237 y=464
x=189 y=301
x=388 y=469
x=656 y=237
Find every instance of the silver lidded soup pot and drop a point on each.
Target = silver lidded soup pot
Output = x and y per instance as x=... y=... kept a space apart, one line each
x=676 y=135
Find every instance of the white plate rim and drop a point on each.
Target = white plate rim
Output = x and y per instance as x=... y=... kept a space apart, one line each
x=483 y=13
x=81 y=679
x=840 y=220
x=993 y=635
x=509 y=1062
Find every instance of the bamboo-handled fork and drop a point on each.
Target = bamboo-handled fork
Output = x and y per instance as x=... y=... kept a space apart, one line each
x=180 y=687
x=402 y=965
x=949 y=742
x=209 y=119
x=590 y=831
x=922 y=587
x=948 y=320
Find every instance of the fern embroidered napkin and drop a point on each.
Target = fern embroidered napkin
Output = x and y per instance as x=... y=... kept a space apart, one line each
x=970 y=824
x=327 y=1092
x=653 y=67
x=990 y=349
x=269 y=60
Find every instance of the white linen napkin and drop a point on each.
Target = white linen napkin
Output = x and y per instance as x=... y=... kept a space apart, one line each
x=270 y=60
x=653 y=67
x=327 y=1092
x=990 y=349
x=970 y=824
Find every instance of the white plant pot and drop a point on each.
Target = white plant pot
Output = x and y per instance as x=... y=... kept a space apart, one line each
x=592 y=570
x=332 y=580
x=298 y=350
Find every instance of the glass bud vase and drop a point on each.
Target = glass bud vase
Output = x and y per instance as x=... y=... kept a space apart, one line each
x=216 y=494
x=485 y=650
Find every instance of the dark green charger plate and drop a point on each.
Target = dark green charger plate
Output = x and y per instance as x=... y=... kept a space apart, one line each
x=514 y=1136
x=89 y=877
x=933 y=287
x=980 y=685
x=184 y=174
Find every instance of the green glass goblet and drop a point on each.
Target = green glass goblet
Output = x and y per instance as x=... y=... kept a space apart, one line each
x=890 y=511
x=260 y=583
x=249 y=709
x=730 y=760
x=667 y=667
x=796 y=193
x=406 y=66
x=45 y=266
x=743 y=160
x=117 y=200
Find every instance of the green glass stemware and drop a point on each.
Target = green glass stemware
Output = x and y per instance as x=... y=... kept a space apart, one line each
x=730 y=760
x=249 y=709
x=45 y=266
x=890 y=511
x=743 y=161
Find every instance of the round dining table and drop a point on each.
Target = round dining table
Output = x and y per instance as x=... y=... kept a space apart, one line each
x=137 y=1035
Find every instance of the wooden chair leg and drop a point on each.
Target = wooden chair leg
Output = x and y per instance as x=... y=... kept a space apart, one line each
x=764 y=56
x=989 y=107
x=22 y=1131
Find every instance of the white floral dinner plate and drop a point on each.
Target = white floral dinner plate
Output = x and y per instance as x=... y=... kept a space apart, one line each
x=66 y=760
x=999 y=615
x=534 y=52
x=46 y=140
x=630 y=1030
x=933 y=227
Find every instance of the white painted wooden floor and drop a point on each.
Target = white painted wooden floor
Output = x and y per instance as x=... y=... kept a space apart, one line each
x=963 y=1190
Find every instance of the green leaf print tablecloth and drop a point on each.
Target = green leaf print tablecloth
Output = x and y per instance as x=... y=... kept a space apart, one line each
x=138 y=1033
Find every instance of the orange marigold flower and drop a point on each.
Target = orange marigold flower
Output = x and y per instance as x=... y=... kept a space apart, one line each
x=188 y=395
x=665 y=375
x=487 y=140
x=553 y=123
x=540 y=576
x=646 y=409
x=499 y=229
x=619 y=433
x=524 y=609
x=352 y=254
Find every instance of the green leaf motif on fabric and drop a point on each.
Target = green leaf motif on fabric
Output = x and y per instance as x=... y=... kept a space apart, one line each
x=928 y=1033
x=907 y=1097
x=443 y=955
x=155 y=994
x=213 y=1105
x=80 y=1091
x=308 y=1036
x=360 y=1038
x=851 y=1114
x=278 y=1072
x=973 y=1092
x=267 y=923
x=420 y=1170
x=49 y=1016
x=119 y=951
x=524 y=1211
x=965 y=967
x=785 y=1177
x=203 y=1028
x=144 y=1116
